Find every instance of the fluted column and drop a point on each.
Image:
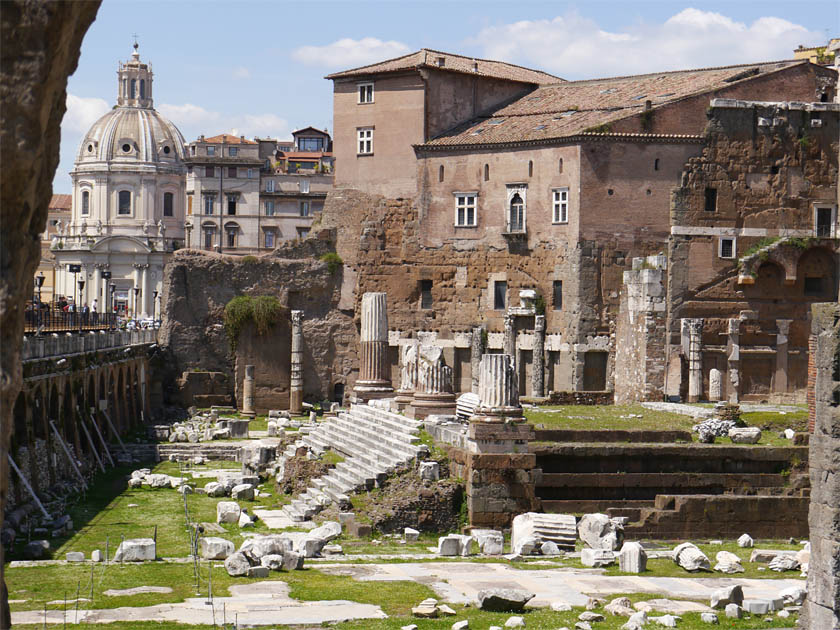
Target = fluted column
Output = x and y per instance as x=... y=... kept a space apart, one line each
x=434 y=394
x=695 y=360
x=476 y=351
x=408 y=375
x=374 y=371
x=498 y=393
x=248 y=392
x=538 y=358
x=296 y=381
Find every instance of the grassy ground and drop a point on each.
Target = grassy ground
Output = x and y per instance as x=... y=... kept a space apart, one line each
x=618 y=417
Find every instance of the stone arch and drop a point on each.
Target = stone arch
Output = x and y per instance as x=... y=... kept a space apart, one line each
x=67 y=415
x=816 y=275
x=40 y=428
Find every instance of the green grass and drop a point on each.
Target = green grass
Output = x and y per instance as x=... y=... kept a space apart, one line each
x=607 y=417
x=331 y=457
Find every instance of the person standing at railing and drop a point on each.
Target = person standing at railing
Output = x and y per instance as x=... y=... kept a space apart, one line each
x=85 y=314
x=94 y=308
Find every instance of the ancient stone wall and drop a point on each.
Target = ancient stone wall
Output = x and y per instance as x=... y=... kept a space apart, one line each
x=821 y=608
x=763 y=171
x=198 y=285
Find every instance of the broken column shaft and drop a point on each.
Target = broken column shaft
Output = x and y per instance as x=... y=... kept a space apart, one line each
x=374 y=368
x=296 y=380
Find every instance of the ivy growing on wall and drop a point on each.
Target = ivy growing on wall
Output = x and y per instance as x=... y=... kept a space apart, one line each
x=263 y=311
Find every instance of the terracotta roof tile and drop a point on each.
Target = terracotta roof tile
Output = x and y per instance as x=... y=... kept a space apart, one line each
x=426 y=58
x=228 y=139
x=574 y=107
x=60 y=202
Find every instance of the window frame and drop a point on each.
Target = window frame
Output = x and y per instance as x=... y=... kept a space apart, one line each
x=733 y=240
x=303 y=186
x=459 y=196
x=496 y=306
x=557 y=290
x=234 y=170
x=232 y=200
x=85 y=211
x=209 y=203
x=426 y=299
x=272 y=234
x=364 y=141
x=832 y=226
x=171 y=197
x=269 y=185
x=268 y=207
x=128 y=212
x=233 y=151
x=365 y=93
x=559 y=206
x=209 y=171
x=305 y=209
x=211 y=151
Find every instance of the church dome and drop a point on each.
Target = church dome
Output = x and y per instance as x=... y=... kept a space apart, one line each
x=133 y=131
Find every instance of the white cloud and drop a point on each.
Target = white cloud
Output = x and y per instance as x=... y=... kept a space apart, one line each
x=573 y=46
x=241 y=72
x=350 y=53
x=194 y=120
x=82 y=113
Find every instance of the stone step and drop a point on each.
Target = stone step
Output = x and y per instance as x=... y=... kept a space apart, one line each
x=370 y=475
x=385 y=419
x=363 y=439
x=376 y=455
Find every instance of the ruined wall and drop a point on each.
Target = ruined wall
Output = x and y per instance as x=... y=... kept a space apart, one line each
x=821 y=607
x=768 y=166
x=198 y=285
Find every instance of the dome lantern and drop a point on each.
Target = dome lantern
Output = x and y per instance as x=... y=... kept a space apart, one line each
x=134 y=82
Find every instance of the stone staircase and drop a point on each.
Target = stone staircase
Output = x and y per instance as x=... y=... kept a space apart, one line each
x=374 y=442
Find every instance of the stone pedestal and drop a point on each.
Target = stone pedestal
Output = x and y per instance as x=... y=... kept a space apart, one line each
x=695 y=359
x=538 y=358
x=296 y=380
x=715 y=385
x=408 y=376
x=374 y=370
x=434 y=393
x=248 y=393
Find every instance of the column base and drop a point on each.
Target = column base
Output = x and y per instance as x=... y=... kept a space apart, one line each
x=368 y=390
x=433 y=404
x=403 y=399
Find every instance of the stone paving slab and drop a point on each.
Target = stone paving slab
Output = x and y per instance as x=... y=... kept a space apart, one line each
x=463 y=580
x=258 y=604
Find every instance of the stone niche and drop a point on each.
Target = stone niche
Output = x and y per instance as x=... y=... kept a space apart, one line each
x=204 y=389
x=270 y=354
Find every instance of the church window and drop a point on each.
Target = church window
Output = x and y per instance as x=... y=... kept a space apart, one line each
x=530 y=168
x=167 y=150
x=168 y=203
x=126 y=148
x=124 y=206
x=85 y=202
x=134 y=88
x=142 y=88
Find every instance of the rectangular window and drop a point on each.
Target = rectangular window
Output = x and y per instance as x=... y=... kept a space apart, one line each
x=250 y=173
x=124 y=202
x=560 y=199
x=303 y=232
x=233 y=151
x=269 y=185
x=85 y=202
x=558 y=295
x=726 y=248
x=208 y=204
x=304 y=185
x=312 y=145
x=304 y=208
x=465 y=210
x=499 y=294
x=209 y=171
x=269 y=238
x=269 y=208
x=208 y=238
x=189 y=204
x=365 y=93
x=822 y=222
x=211 y=150
x=232 y=172
x=231 y=238
x=168 y=204
x=231 y=204
x=192 y=150
x=425 y=294
x=711 y=199
x=365 y=137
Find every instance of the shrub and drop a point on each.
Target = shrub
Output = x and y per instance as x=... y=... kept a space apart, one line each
x=333 y=261
x=263 y=311
x=249 y=260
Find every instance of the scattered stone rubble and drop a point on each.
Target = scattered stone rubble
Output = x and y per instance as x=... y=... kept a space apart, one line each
x=202 y=427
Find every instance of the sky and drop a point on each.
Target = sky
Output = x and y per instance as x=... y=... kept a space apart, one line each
x=256 y=68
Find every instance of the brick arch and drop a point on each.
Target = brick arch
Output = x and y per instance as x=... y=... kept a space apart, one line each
x=818 y=262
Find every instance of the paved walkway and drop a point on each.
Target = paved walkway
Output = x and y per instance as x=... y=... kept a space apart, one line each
x=268 y=602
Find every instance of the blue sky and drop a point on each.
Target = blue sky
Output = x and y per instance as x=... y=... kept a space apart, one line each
x=256 y=67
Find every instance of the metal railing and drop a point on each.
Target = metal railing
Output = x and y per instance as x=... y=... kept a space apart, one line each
x=52 y=320
x=57 y=344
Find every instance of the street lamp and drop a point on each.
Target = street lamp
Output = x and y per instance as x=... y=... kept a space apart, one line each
x=136 y=293
x=113 y=311
x=154 y=307
x=39 y=282
x=106 y=275
x=78 y=312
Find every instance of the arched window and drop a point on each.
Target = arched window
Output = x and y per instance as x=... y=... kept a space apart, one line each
x=85 y=202
x=231 y=232
x=142 y=88
x=125 y=88
x=168 y=204
x=560 y=165
x=530 y=168
x=133 y=88
x=124 y=206
x=440 y=173
x=486 y=172
x=656 y=164
x=517 y=214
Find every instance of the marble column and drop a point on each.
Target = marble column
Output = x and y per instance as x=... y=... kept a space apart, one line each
x=695 y=360
x=248 y=393
x=296 y=380
x=509 y=344
x=434 y=393
x=498 y=393
x=780 y=381
x=476 y=351
x=538 y=358
x=408 y=375
x=145 y=292
x=374 y=371
x=733 y=359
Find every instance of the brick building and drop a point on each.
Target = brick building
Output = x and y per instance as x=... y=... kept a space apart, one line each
x=514 y=180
